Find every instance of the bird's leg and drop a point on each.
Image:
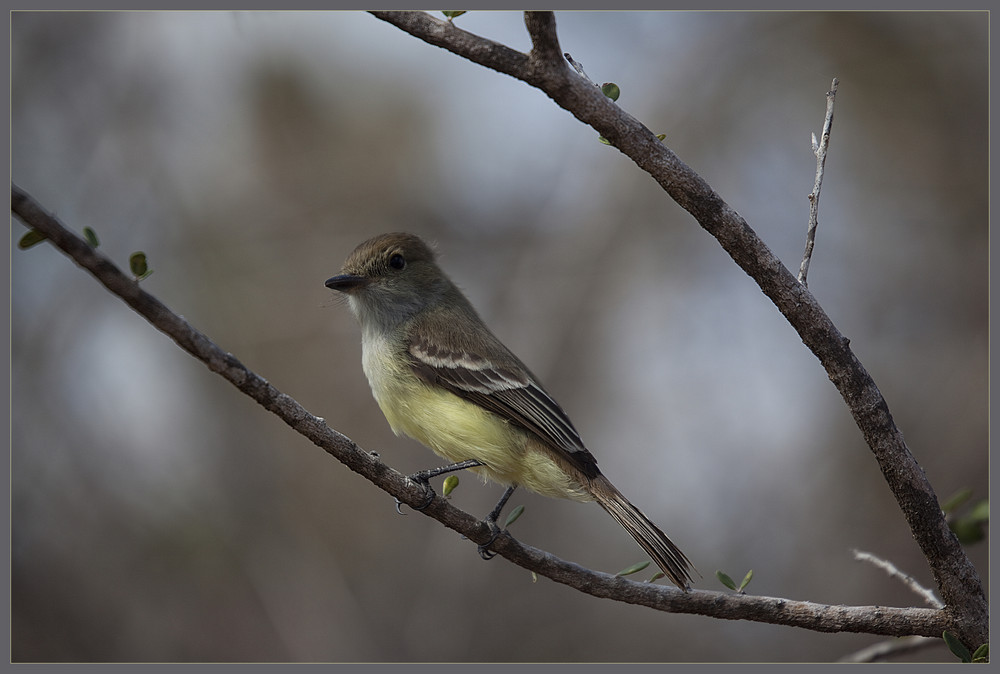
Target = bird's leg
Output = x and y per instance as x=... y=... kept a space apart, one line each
x=424 y=476
x=491 y=522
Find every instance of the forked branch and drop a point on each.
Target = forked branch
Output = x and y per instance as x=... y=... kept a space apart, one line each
x=959 y=583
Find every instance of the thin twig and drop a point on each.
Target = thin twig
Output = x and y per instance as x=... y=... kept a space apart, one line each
x=884 y=650
x=890 y=648
x=807 y=615
x=819 y=149
x=907 y=580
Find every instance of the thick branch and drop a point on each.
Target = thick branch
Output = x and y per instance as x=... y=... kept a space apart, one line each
x=954 y=574
x=819 y=617
x=448 y=36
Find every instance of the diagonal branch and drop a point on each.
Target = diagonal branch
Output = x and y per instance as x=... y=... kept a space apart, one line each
x=954 y=574
x=817 y=617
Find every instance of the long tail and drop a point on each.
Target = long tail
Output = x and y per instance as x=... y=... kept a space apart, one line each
x=666 y=555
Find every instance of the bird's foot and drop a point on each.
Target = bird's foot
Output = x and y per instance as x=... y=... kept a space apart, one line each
x=422 y=478
x=484 y=549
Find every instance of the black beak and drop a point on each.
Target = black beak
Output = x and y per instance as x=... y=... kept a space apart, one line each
x=346 y=283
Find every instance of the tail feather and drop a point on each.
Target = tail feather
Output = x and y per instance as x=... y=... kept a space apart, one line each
x=661 y=549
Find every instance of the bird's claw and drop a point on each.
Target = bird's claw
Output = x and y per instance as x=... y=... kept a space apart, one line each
x=420 y=479
x=484 y=549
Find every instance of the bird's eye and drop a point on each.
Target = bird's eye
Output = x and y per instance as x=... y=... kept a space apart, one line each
x=397 y=261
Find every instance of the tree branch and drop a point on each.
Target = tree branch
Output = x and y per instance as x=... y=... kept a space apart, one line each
x=808 y=615
x=954 y=574
x=544 y=40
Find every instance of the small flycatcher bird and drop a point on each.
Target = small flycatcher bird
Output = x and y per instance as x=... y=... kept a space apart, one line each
x=441 y=377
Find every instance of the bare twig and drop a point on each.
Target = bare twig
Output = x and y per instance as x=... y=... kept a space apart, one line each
x=954 y=574
x=819 y=149
x=884 y=650
x=907 y=580
x=818 y=617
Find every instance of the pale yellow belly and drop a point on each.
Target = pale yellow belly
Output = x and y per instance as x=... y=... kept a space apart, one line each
x=459 y=430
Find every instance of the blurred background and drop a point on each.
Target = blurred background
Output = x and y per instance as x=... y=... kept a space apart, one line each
x=160 y=515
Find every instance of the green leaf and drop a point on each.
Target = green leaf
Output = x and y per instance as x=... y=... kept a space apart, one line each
x=725 y=580
x=453 y=13
x=449 y=485
x=957 y=499
x=971 y=527
x=91 y=237
x=31 y=238
x=982 y=654
x=635 y=568
x=140 y=268
x=604 y=140
x=512 y=517
x=746 y=580
x=957 y=647
x=611 y=90
x=968 y=531
x=656 y=577
x=661 y=137
x=980 y=512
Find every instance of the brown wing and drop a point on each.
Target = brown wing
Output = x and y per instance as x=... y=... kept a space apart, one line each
x=508 y=390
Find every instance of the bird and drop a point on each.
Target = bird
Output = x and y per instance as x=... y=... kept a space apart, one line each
x=441 y=377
